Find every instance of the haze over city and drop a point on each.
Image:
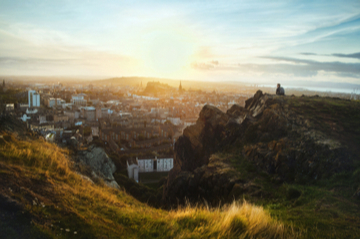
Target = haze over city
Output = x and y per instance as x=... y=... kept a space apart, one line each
x=245 y=41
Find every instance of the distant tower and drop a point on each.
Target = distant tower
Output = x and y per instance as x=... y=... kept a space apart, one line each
x=141 y=83
x=4 y=83
x=180 y=87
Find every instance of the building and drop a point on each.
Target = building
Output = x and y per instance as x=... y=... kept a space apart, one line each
x=36 y=126
x=89 y=113
x=34 y=98
x=149 y=164
x=79 y=100
x=133 y=170
x=9 y=107
x=51 y=102
x=54 y=102
x=61 y=118
x=155 y=164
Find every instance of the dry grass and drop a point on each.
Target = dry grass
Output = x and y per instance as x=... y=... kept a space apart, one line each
x=237 y=220
x=43 y=171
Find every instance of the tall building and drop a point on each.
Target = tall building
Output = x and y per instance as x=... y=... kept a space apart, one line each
x=180 y=87
x=34 y=98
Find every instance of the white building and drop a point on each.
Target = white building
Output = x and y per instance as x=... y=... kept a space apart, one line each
x=133 y=171
x=149 y=165
x=34 y=98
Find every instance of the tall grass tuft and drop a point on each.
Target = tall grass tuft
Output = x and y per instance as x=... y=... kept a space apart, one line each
x=237 y=220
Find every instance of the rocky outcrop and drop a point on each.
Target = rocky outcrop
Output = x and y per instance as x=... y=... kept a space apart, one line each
x=100 y=164
x=270 y=134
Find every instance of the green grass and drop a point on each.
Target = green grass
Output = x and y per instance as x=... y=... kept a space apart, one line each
x=64 y=205
x=324 y=209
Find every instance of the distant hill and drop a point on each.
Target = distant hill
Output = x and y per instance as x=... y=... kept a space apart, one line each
x=186 y=84
x=155 y=88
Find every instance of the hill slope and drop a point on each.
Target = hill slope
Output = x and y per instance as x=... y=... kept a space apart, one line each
x=298 y=156
x=42 y=190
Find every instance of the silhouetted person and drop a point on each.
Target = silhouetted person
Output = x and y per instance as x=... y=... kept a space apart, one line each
x=280 y=90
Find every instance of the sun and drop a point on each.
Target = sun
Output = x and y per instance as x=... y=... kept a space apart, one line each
x=167 y=51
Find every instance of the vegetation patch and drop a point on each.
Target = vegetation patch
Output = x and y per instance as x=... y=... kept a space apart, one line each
x=62 y=204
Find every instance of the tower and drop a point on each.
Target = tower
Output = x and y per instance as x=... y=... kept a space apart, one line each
x=180 y=87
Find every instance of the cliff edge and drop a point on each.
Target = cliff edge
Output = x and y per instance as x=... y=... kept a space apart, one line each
x=287 y=138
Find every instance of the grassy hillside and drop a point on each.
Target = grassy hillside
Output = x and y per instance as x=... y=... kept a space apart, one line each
x=60 y=203
x=326 y=207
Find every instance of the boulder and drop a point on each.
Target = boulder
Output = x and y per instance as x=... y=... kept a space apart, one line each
x=100 y=163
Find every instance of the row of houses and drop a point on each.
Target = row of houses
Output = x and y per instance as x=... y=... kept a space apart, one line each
x=149 y=164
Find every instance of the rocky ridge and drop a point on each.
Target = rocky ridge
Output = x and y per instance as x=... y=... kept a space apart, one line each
x=269 y=133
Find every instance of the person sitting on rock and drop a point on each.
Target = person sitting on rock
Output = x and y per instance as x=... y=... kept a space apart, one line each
x=280 y=90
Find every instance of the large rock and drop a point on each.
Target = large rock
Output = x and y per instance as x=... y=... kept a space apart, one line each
x=100 y=163
x=272 y=136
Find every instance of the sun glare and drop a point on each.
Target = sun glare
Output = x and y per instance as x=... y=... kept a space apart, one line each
x=168 y=51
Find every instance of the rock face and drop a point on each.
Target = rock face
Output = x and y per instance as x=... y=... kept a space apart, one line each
x=100 y=163
x=270 y=135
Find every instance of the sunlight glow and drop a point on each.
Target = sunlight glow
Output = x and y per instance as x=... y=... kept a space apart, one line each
x=168 y=51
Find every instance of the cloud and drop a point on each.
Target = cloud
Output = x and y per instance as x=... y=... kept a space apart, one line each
x=205 y=65
x=288 y=66
x=353 y=55
x=308 y=54
x=341 y=55
x=338 y=68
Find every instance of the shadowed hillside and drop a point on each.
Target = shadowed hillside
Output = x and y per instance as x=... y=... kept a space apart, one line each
x=44 y=195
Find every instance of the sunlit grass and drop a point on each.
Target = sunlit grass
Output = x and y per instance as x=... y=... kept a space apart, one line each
x=64 y=200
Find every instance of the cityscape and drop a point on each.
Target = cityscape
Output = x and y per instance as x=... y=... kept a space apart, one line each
x=179 y=119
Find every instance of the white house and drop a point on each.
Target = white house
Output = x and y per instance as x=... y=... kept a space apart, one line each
x=133 y=170
x=149 y=164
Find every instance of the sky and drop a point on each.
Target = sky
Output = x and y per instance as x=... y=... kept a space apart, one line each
x=247 y=41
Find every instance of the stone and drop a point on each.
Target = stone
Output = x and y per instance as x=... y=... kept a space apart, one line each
x=100 y=163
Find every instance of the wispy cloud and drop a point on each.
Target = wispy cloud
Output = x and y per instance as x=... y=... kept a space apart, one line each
x=353 y=55
x=340 y=55
x=288 y=66
x=308 y=54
